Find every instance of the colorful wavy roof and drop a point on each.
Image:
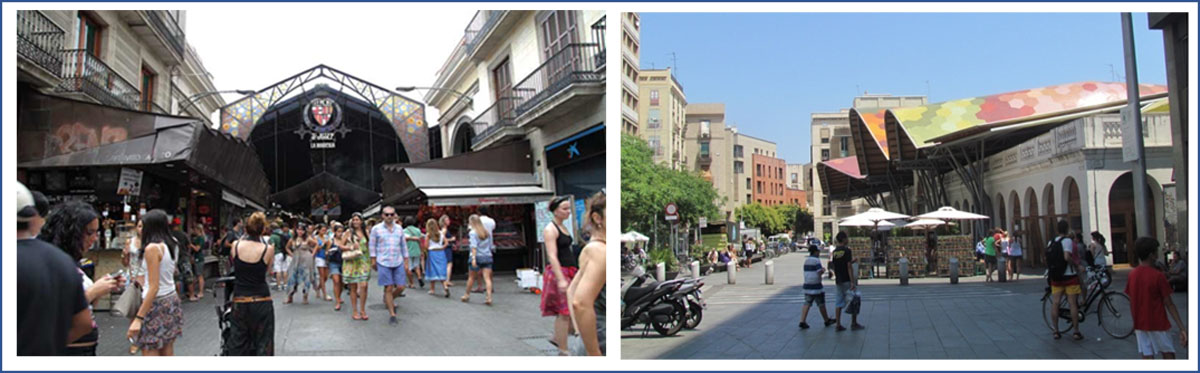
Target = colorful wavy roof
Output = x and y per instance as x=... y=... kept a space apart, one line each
x=875 y=124
x=847 y=166
x=922 y=123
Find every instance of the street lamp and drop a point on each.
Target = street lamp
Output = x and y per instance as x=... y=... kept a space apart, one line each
x=460 y=94
x=192 y=100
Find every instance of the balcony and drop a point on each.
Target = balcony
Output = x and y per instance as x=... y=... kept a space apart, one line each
x=482 y=26
x=496 y=124
x=629 y=113
x=160 y=30
x=569 y=79
x=87 y=75
x=38 y=42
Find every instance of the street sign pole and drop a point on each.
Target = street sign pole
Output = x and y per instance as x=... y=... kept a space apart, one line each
x=1133 y=122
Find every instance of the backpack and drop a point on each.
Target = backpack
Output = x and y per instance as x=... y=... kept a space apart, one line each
x=1056 y=264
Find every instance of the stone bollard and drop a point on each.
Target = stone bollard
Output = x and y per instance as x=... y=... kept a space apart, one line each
x=953 y=270
x=1001 y=263
x=903 y=271
x=696 y=269
x=854 y=269
x=770 y=272
x=660 y=272
x=731 y=273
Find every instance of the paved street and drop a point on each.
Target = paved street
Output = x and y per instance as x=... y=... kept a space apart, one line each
x=429 y=326
x=929 y=319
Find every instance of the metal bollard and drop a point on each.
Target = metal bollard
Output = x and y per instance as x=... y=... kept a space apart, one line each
x=731 y=273
x=903 y=271
x=854 y=270
x=660 y=272
x=696 y=269
x=1001 y=263
x=770 y=272
x=953 y=270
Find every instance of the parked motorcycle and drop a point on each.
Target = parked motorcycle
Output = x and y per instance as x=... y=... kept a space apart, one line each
x=653 y=304
x=689 y=293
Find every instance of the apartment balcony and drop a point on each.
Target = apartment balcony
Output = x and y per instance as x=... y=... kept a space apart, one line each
x=159 y=30
x=496 y=124
x=629 y=113
x=704 y=158
x=486 y=24
x=39 y=42
x=88 y=76
x=569 y=79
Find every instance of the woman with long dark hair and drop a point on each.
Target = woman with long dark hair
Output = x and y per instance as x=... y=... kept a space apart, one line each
x=74 y=228
x=586 y=292
x=356 y=266
x=301 y=249
x=159 y=320
x=334 y=260
x=253 y=318
x=561 y=266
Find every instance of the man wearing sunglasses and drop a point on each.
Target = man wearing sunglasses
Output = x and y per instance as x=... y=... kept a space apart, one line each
x=389 y=256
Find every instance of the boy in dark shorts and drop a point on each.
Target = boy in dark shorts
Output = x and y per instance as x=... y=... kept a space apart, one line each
x=813 y=290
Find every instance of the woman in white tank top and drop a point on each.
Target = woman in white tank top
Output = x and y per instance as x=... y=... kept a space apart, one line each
x=159 y=320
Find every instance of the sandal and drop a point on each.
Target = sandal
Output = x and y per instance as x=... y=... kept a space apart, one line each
x=488 y=301
x=1057 y=335
x=364 y=317
x=337 y=307
x=355 y=317
x=1077 y=336
x=431 y=292
x=447 y=292
x=465 y=298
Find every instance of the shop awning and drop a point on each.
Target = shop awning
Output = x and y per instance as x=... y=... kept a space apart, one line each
x=56 y=132
x=453 y=187
x=219 y=157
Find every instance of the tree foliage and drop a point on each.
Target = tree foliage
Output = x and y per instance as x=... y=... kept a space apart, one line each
x=767 y=219
x=803 y=221
x=646 y=189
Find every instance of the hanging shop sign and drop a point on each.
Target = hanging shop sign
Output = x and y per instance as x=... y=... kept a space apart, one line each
x=322 y=123
x=130 y=183
x=583 y=145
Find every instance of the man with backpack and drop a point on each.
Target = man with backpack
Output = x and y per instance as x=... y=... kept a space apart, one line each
x=1063 y=276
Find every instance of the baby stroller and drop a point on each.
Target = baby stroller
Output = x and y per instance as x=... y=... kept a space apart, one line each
x=225 y=314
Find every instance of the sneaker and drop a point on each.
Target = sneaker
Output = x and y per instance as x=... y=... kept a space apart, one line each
x=857 y=327
x=803 y=325
x=829 y=322
x=392 y=321
x=841 y=328
x=421 y=281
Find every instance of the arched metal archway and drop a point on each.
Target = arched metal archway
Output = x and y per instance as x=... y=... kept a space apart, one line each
x=407 y=116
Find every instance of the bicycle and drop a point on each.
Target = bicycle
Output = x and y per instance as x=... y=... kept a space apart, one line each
x=1113 y=311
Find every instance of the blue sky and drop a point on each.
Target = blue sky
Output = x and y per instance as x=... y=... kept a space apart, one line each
x=773 y=70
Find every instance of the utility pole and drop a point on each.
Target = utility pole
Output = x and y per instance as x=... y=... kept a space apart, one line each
x=1133 y=123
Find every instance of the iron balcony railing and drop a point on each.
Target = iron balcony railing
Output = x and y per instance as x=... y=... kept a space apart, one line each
x=87 y=74
x=40 y=40
x=483 y=22
x=576 y=63
x=598 y=36
x=166 y=24
x=496 y=117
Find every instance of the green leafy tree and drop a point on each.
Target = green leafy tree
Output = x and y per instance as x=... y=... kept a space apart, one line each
x=803 y=221
x=762 y=217
x=788 y=213
x=646 y=189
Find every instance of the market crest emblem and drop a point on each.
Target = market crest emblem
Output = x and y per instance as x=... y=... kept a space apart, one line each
x=322 y=121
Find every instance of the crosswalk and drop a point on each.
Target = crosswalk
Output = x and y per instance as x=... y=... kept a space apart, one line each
x=794 y=294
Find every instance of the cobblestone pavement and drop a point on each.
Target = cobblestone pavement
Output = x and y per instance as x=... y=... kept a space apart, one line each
x=429 y=325
x=928 y=319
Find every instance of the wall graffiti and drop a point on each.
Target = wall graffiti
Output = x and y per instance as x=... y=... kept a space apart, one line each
x=73 y=137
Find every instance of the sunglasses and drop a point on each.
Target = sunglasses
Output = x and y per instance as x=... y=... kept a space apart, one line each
x=389 y=214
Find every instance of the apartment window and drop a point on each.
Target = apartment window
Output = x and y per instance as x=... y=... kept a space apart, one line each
x=738 y=167
x=148 y=77
x=747 y=184
x=654 y=97
x=824 y=154
x=704 y=149
x=557 y=32
x=747 y=198
x=824 y=140
x=502 y=84
x=738 y=151
x=825 y=210
x=795 y=178
x=654 y=118
x=653 y=141
x=705 y=126
x=90 y=32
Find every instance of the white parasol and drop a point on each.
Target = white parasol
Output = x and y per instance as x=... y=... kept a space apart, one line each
x=925 y=224
x=950 y=213
x=880 y=225
x=634 y=236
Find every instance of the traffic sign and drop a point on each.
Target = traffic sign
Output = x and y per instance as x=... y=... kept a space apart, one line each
x=672 y=211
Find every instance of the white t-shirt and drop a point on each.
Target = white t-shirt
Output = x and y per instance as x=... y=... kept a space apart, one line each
x=488 y=223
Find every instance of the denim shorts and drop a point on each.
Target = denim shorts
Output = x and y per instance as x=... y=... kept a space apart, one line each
x=335 y=268
x=481 y=266
x=819 y=299
x=392 y=276
x=843 y=294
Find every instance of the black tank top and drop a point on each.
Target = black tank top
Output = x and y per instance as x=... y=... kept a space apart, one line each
x=250 y=279
x=566 y=256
